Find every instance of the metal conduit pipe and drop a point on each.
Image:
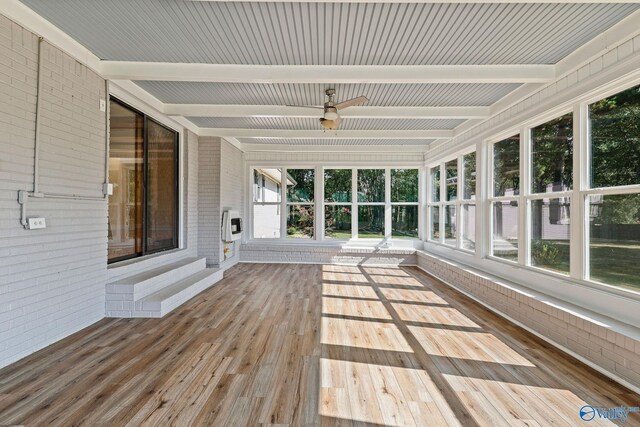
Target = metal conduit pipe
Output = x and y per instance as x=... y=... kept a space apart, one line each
x=23 y=195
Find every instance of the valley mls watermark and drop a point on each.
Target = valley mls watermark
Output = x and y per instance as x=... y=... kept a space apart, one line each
x=588 y=412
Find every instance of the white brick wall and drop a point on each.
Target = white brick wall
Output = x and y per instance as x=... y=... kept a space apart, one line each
x=604 y=342
x=51 y=281
x=232 y=193
x=209 y=199
x=190 y=188
x=220 y=187
x=318 y=254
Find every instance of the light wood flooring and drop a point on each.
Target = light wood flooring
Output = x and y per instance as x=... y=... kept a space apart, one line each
x=308 y=345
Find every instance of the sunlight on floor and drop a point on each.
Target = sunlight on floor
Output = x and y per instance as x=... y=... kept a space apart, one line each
x=363 y=334
x=409 y=295
x=348 y=291
x=432 y=316
x=365 y=309
x=470 y=346
x=379 y=394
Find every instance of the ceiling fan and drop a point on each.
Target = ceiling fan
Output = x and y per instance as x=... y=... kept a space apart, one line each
x=331 y=118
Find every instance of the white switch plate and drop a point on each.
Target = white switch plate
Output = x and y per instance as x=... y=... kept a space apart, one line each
x=36 y=223
x=103 y=105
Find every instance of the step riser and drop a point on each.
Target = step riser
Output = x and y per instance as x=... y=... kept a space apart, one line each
x=169 y=304
x=134 y=292
x=156 y=309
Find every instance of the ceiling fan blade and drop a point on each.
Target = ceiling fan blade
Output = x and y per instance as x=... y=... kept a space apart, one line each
x=351 y=102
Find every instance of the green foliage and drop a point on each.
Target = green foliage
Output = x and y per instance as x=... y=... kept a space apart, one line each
x=615 y=130
x=451 y=170
x=371 y=185
x=469 y=175
x=544 y=252
x=302 y=187
x=506 y=165
x=404 y=185
x=552 y=154
x=619 y=209
x=337 y=185
x=300 y=221
x=435 y=183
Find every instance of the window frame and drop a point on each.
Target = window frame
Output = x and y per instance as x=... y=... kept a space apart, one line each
x=178 y=196
x=319 y=203
x=443 y=203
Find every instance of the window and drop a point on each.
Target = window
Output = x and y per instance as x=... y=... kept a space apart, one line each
x=457 y=211
x=404 y=201
x=300 y=203
x=267 y=203
x=368 y=203
x=143 y=168
x=371 y=203
x=468 y=205
x=505 y=200
x=549 y=204
x=613 y=200
x=338 y=203
x=434 y=208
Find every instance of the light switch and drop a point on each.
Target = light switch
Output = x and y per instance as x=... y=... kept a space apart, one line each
x=103 y=105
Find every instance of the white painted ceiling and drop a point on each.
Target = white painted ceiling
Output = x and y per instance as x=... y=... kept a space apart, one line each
x=347 y=34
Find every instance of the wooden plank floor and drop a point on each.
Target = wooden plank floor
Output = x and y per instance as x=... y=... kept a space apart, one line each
x=308 y=345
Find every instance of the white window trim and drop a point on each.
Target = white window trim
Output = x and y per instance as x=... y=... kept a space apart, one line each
x=458 y=202
x=319 y=204
x=579 y=247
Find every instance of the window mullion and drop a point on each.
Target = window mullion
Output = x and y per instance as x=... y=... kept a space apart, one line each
x=318 y=207
x=579 y=242
x=524 y=232
x=387 y=203
x=460 y=196
x=354 y=203
x=443 y=196
x=283 y=204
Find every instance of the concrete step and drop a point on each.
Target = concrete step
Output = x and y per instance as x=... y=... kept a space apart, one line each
x=140 y=285
x=168 y=298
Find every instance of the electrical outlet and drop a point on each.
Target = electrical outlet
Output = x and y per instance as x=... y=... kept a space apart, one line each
x=36 y=223
x=103 y=105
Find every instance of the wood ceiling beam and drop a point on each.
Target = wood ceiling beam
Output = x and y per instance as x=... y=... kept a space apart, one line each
x=237 y=73
x=374 y=112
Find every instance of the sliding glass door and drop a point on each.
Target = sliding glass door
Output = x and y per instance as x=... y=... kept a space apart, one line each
x=143 y=168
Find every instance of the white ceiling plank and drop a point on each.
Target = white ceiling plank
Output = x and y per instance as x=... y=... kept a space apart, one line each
x=370 y=149
x=425 y=1
x=212 y=110
x=21 y=14
x=235 y=73
x=320 y=134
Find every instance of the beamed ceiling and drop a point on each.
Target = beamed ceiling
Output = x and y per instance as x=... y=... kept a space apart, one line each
x=238 y=69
